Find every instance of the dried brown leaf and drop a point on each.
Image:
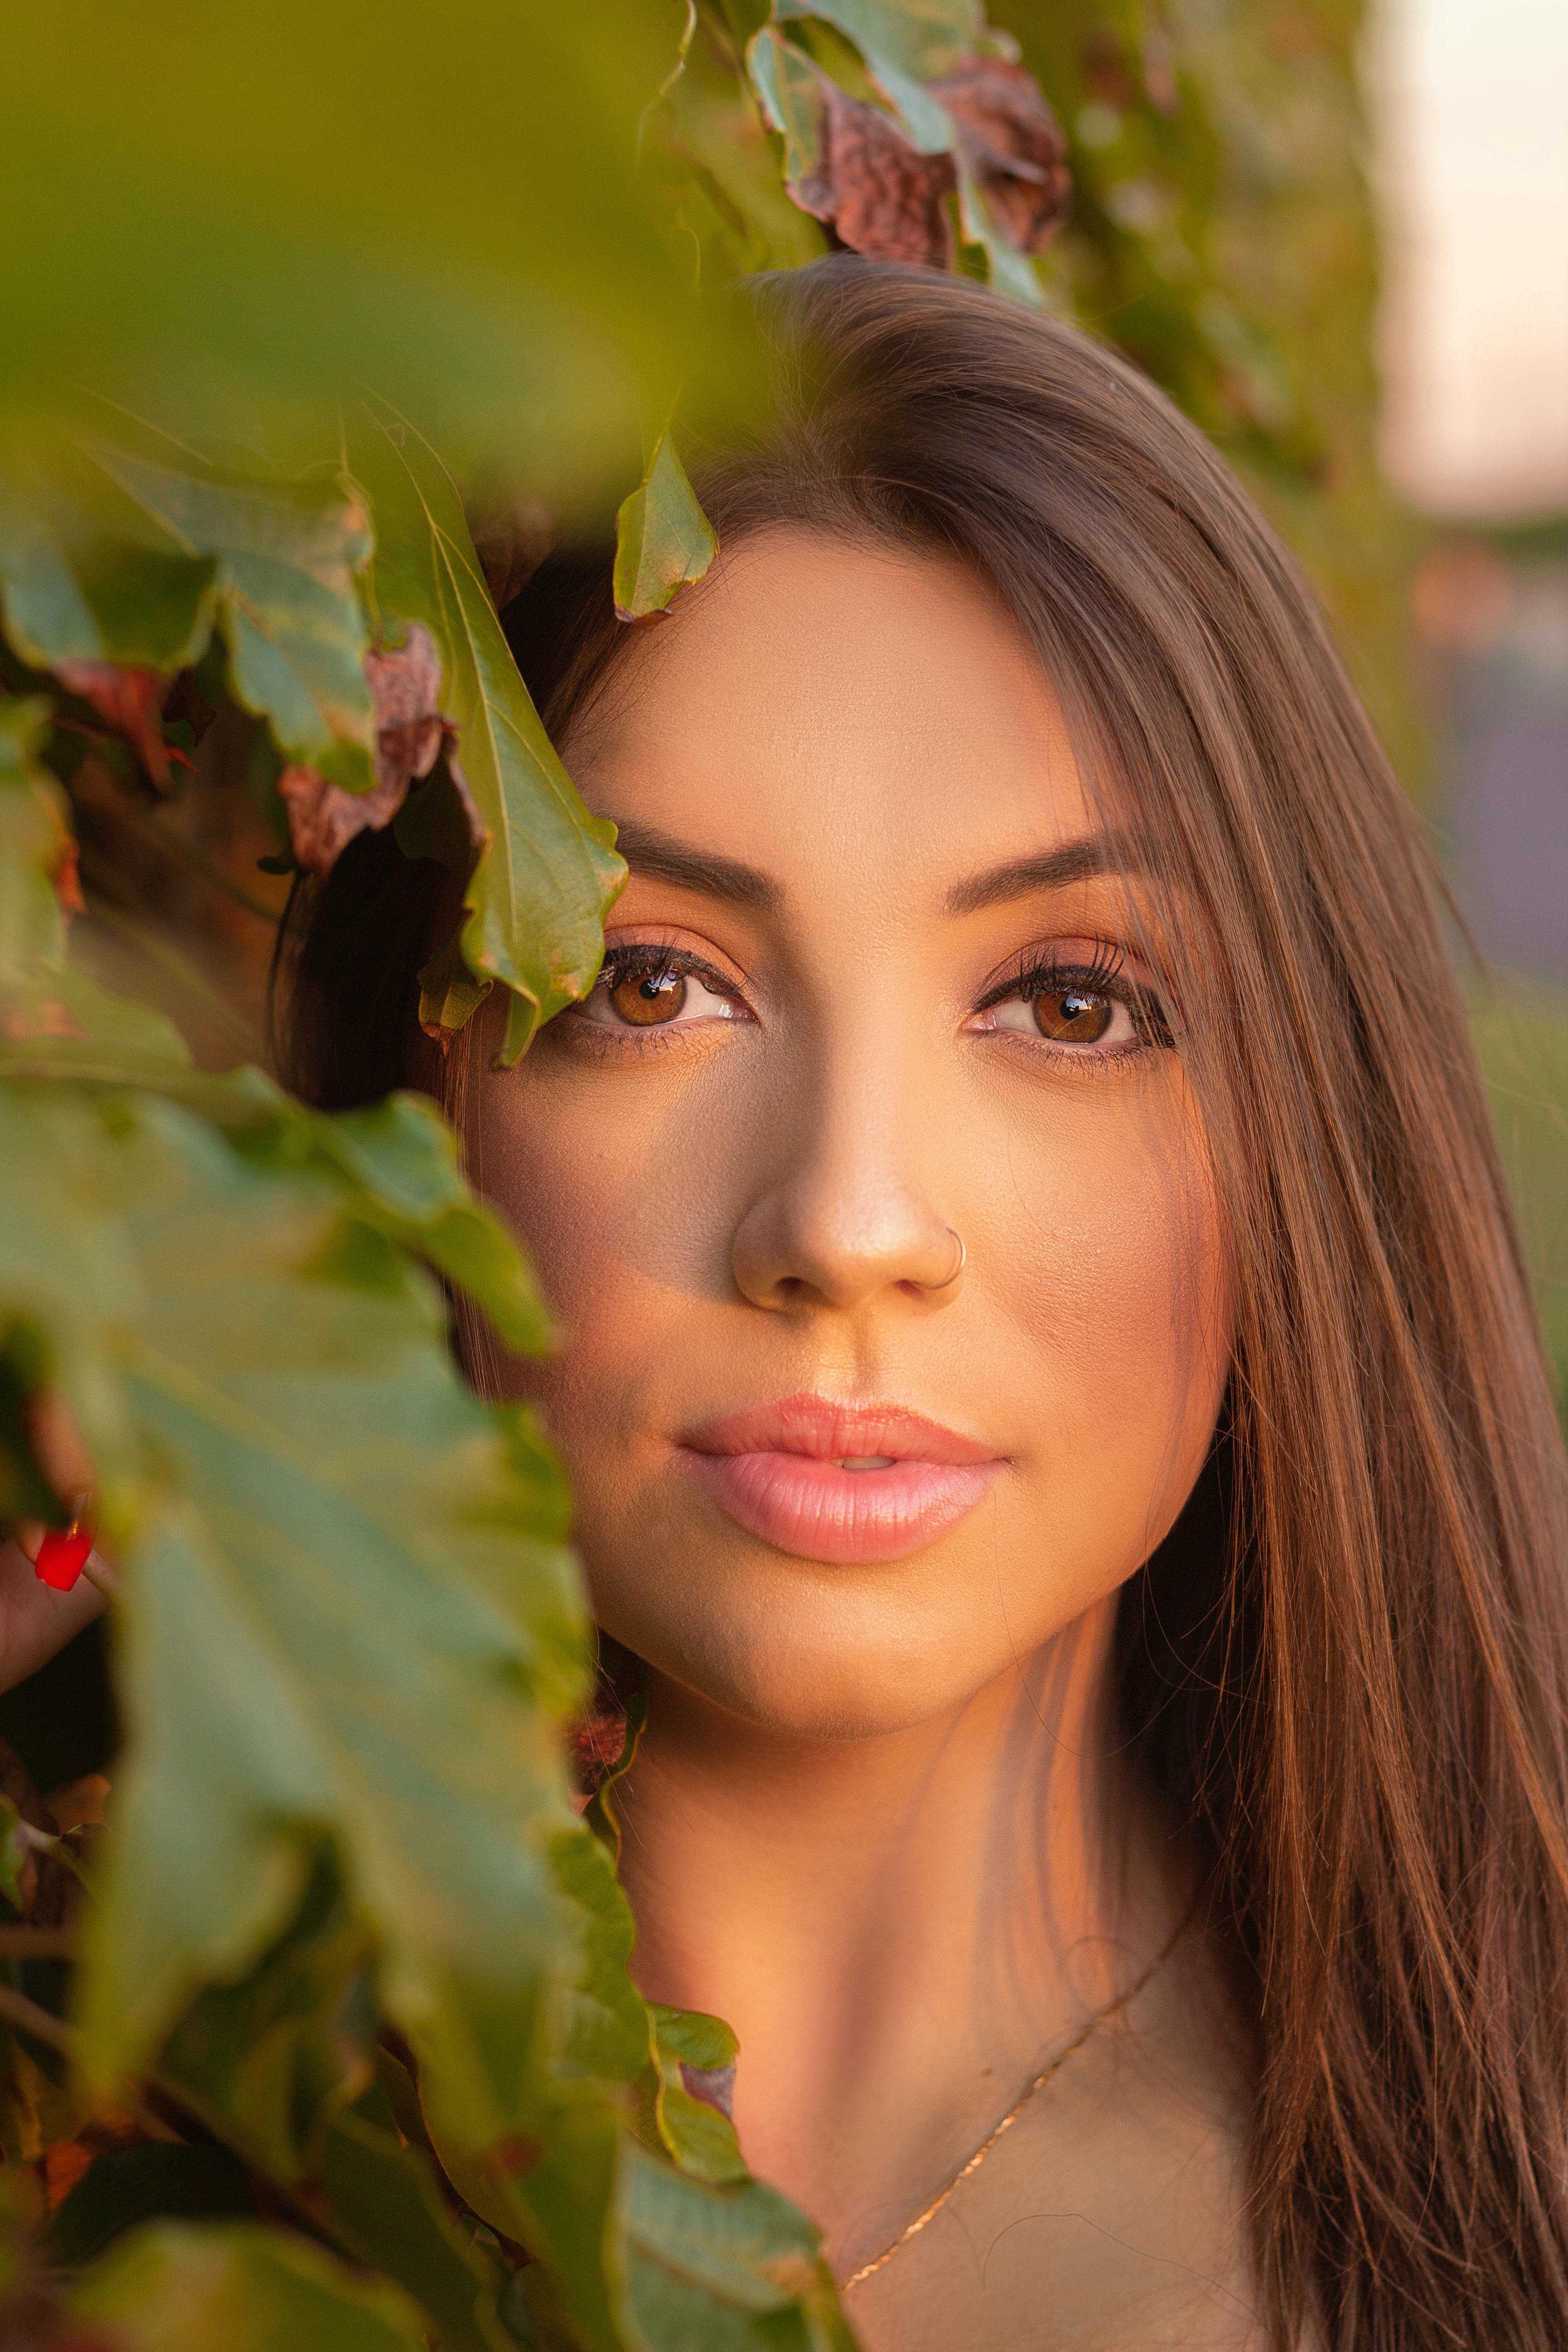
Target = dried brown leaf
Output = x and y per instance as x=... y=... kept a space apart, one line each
x=1012 y=146
x=875 y=191
x=405 y=684
x=323 y=818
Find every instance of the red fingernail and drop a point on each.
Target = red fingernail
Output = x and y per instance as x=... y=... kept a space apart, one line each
x=62 y=1555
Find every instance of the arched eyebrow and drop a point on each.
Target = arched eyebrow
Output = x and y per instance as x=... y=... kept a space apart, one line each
x=1053 y=869
x=664 y=859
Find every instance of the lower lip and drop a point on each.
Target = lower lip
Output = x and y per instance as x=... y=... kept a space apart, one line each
x=819 y=1511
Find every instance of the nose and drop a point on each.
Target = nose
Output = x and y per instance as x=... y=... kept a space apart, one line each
x=843 y=1215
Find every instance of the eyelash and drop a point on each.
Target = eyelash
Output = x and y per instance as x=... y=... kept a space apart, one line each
x=1103 y=976
x=650 y=961
x=1100 y=977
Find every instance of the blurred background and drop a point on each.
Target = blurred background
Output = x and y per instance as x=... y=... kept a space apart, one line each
x=1469 y=116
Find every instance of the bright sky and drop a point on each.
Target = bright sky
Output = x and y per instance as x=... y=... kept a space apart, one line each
x=1470 y=105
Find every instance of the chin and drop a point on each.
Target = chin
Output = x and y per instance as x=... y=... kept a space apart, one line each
x=809 y=1651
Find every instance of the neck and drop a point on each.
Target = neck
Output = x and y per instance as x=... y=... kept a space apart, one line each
x=897 y=1926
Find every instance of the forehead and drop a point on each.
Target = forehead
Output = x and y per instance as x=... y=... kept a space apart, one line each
x=815 y=707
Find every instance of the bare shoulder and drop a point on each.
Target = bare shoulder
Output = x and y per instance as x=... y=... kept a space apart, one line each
x=1109 y=2218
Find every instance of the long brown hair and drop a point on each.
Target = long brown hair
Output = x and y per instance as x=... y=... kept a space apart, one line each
x=1346 y=1673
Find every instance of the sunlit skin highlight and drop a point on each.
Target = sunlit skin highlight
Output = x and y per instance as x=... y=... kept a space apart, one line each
x=882 y=977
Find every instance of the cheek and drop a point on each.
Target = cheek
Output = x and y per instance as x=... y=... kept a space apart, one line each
x=611 y=1215
x=1120 y=1296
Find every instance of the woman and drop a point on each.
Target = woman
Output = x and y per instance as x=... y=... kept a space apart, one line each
x=1045 y=1374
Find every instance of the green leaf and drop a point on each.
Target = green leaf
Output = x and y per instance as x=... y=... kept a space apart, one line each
x=124 y=547
x=388 y=2211
x=85 y=573
x=347 y=1554
x=265 y=2060
x=36 y=849
x=918 y=40
x=25 y=1491
x=284 y=559
x=789 y=87
x=732 y=2269
x=606 y=2028
x=746 y=17
x=556 y=2194
x=664 y=541
x=1008 y=268
x=397 y=1162
x=546 y=870
x=600 y=1816
x=404 y=1157
x=904 y=47
x=174 y=2287
x=331 y=1556
x=50 y=1015
x=706 y=143
x=700 y=2135
x=738 y=2271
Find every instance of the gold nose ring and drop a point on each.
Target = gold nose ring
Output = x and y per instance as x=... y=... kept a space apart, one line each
x=948 y=1281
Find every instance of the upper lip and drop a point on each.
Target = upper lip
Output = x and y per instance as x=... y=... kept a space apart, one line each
x=829 y=1431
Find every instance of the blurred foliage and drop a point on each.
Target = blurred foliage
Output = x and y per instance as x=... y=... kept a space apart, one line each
x=1222 y=235
x=221 y=217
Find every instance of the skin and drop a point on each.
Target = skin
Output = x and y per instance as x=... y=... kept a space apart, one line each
x=36 y=1620
x=878 y=1821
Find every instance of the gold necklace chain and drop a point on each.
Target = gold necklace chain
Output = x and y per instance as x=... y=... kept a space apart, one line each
x=1091 y=2026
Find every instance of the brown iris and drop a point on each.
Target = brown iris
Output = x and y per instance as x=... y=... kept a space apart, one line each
x=648 y=998
x=1075 y=1014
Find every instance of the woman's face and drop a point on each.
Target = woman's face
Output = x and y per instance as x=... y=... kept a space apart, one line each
x=868 y=992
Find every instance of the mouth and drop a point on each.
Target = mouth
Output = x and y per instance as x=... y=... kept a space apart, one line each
x=841 y=1484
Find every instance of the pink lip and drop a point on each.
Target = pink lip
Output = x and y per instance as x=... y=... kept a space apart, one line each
x=776 y=1471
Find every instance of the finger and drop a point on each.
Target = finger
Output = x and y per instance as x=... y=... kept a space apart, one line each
x=60 y=1556
x=98 y=1571
x=60 y=1447
x=36 y=1623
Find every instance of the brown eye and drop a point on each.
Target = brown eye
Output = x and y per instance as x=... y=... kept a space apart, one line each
x=648 y=998
x=1073 y=1014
